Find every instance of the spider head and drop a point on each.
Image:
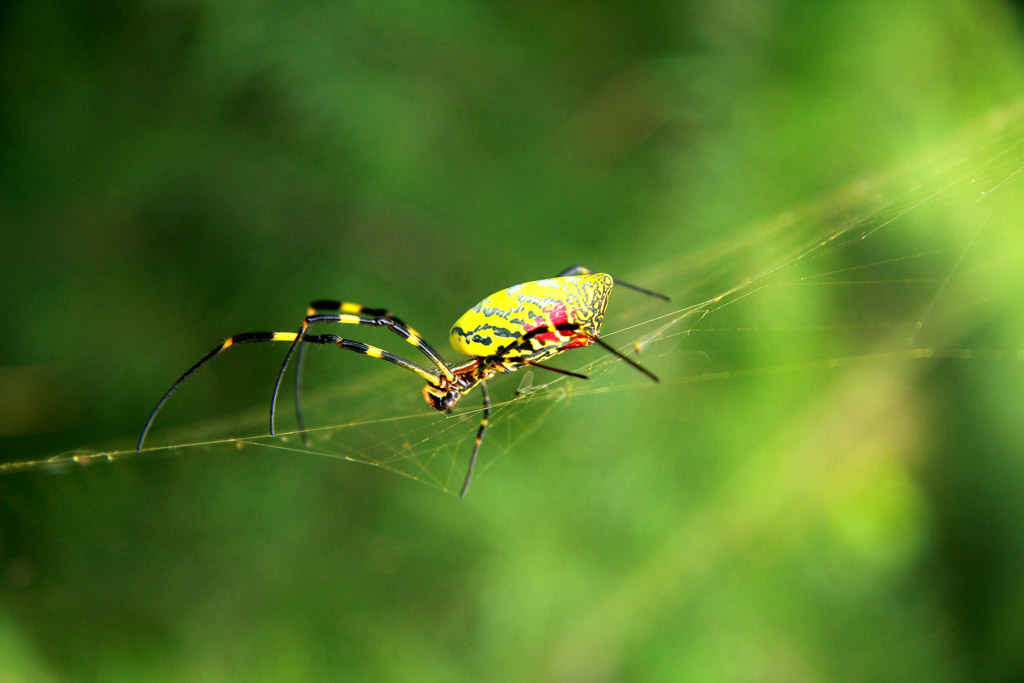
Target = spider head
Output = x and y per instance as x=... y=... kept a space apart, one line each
x=441 y=398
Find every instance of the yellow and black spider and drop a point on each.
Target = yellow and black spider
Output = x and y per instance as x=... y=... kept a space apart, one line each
x=521 y=325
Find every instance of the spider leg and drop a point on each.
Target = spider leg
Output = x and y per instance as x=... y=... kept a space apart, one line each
x=346 y=313
x=372 y=352
x=300 y=361
x=558 y=370
x=582 y=270
x=575 y=270
x=248 y=337
x=479 y=438
x=243 y=338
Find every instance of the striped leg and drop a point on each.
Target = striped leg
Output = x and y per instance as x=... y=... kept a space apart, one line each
x=248 y=337
x=346 y=313
x=372 y=352
x=479 y=438
x=244 y=338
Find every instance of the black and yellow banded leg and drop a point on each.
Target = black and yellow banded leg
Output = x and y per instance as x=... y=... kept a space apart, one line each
x=581 y=270
x=334 y=312
x=346 y=313
x=300 y=359
x=234 y=340
x=372 y=352
x=350 y=345
x=479 y=438
x=575 y=329
x=249 y=337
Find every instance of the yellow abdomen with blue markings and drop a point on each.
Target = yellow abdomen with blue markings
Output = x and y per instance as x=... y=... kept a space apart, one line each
x=504 y=317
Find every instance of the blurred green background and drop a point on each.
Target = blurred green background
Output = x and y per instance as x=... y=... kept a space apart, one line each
x=804 y=497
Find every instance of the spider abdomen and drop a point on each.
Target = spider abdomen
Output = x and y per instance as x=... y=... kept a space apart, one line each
x=506 y=316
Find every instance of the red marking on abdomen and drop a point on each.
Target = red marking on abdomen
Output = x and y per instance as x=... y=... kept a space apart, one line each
x=558 y=315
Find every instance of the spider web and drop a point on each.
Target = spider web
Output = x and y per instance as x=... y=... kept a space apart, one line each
x=900 y=267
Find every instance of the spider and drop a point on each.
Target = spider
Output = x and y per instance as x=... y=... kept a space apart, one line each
x=516 y=327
